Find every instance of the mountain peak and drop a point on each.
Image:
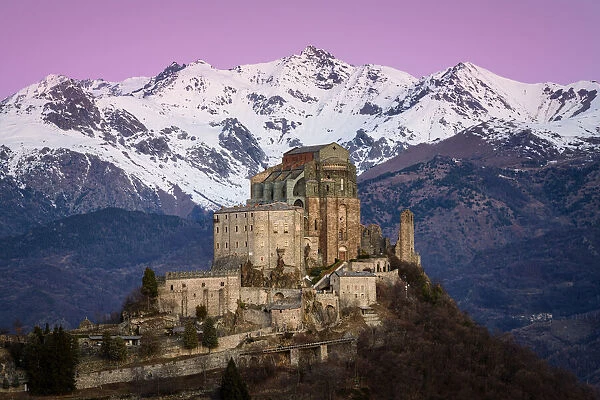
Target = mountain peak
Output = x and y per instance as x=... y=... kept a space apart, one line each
x=311 y=52
x=464 y=66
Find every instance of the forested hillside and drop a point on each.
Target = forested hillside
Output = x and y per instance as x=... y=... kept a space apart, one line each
x=85 y=265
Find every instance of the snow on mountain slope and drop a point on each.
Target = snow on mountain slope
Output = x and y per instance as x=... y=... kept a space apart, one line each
x=204 y=131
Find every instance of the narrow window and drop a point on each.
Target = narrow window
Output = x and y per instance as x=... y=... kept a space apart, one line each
x=222 y=283
x=217 y=229
x=171 y=287
x=236 y=228
x=225 y=229
x=225 y=244
x=217 y=246
x=285 y=228
x=342 y=184
x=237 y=244
x=315 y=224
x=203 y=284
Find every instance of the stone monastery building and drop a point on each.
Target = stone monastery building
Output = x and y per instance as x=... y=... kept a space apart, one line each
x=321 y=181
x=302 y=213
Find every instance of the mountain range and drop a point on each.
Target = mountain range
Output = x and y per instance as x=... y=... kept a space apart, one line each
x=193 y=134
x=502 y=177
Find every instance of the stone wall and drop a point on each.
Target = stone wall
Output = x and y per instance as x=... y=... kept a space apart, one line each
x=354 y=288
x=379 y=264
x=372 y=240
x=389 y=277
x=263 y=296
x=181 y=292
x=256 y=233
x=330 y=303
x=284 y=318
x=190 y=366
x=257 y=317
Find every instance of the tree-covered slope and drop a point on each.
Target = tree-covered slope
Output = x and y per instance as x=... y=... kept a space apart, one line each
x=85 y=265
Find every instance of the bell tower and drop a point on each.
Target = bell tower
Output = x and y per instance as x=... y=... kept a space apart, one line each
x=405 y=246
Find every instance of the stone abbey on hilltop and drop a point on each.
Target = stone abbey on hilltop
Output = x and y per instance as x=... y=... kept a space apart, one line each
x=302 y=213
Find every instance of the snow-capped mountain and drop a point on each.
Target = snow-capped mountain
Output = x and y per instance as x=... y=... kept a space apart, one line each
x=196 y=133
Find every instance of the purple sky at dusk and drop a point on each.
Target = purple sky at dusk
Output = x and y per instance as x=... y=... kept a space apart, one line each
x=525 y=40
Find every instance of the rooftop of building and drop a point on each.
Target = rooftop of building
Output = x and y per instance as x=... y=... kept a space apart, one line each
x=306 y=149
x=198 y=274
x=283 y=174
x=277 y=206
x=362 y=274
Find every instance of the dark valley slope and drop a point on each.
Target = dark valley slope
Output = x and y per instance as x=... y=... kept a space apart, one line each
x=513 y=238
x=85 y=265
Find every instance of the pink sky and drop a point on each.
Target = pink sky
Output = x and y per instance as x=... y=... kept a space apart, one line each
x=525 y=40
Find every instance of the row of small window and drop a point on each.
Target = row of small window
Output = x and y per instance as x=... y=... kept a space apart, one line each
x=286 y=228
x=362 y=287
x=237 y=244
x=245 y=215
x=236 y=229
x=183 y=285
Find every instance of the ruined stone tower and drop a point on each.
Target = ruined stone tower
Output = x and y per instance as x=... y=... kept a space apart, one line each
x=405 y=246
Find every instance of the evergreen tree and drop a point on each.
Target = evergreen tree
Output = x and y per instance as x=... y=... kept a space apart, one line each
x=209 y=334
x=50 y=360
x=113 y=349
x=201 y=312
x=149 y=284
x=190 y=337
x=232 y=385
x=106 y=345
x=150 y=345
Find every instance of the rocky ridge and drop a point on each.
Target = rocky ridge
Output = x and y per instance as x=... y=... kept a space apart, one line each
x=192 y=134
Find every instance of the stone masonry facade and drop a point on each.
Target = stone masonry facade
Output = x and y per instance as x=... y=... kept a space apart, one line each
x=322 y=181
x=405 y=246
x=303 y=212
x=260 y=234
x=181 y=292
